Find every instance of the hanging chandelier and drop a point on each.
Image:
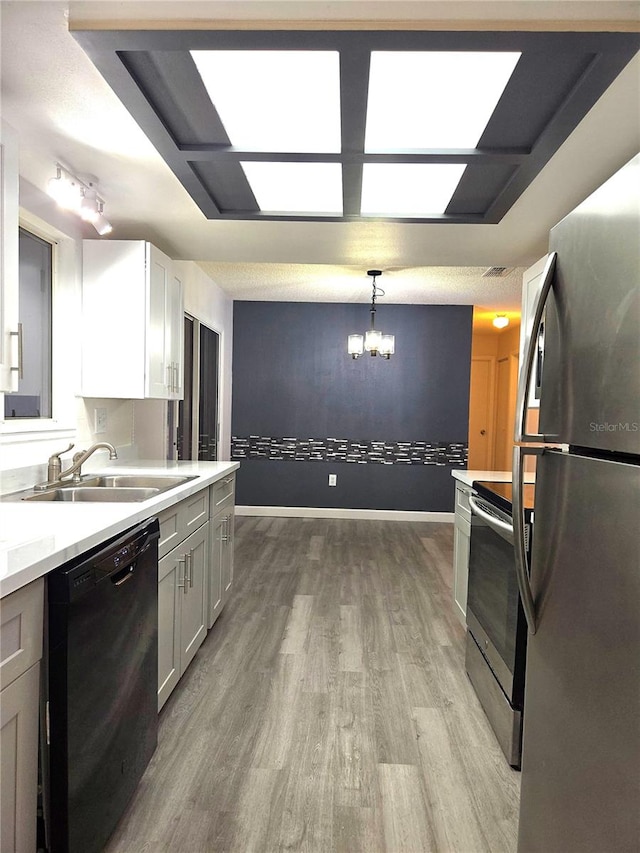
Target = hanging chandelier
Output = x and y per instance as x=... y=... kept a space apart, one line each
x=373 y=341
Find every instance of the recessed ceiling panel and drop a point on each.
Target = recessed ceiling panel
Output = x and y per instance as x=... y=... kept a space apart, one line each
x=433 y=99
x=408 y=189
x=272 y=100
x=337 y=125
x=296 y=187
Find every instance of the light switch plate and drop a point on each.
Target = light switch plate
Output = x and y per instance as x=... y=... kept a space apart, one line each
x=100 y=420
x=333 y=479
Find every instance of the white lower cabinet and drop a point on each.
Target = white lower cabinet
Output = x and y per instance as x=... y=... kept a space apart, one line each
x=221 y=563
x=19 y=765
x=193 y=620
x=218 y=548
x=21 y=627
x=195 y=576
x=461 y=540
x=182 y=591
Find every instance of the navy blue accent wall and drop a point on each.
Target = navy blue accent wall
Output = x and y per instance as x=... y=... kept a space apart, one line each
x=292 y=378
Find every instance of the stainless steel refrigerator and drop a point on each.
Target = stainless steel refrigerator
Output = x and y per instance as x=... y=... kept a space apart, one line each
x=581 y=594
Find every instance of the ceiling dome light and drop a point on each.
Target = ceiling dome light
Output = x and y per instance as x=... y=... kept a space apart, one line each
x=500 y=321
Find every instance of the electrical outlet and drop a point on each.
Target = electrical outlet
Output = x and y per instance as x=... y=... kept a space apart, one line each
x=100 y=421
x=333 y=479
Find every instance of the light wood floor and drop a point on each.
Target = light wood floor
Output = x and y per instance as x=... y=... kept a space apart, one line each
x=328 y=709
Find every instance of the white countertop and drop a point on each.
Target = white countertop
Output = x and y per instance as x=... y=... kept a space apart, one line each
x=468 y=477
x=36 y=537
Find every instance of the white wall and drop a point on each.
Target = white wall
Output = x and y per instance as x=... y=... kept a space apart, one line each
x=207 y=302
x=136 y=427
x=30 y=443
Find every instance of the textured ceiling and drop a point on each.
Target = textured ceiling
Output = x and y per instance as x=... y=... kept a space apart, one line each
x=327 y=283
x=63 y=110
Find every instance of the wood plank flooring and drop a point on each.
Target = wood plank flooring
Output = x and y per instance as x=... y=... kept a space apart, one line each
x=328 y=709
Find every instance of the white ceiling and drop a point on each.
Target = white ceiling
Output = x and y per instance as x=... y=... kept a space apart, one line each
x=63 y=110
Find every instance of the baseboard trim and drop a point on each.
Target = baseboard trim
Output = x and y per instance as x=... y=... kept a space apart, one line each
x=333 y=512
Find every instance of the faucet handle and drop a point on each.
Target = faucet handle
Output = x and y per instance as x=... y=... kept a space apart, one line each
x=66 y=450
x=54 y=466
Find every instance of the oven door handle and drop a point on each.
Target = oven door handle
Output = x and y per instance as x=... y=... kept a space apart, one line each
x=502 y=528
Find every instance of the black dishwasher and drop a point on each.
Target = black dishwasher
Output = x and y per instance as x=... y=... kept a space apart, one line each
x=102 y=686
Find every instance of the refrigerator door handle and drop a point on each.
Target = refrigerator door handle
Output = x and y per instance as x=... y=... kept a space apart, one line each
x=519 y=547
x=530 y=353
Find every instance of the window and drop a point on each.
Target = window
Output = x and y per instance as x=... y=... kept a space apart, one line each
x=33 y=397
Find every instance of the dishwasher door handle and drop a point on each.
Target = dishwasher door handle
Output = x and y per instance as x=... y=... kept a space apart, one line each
x=124 y=575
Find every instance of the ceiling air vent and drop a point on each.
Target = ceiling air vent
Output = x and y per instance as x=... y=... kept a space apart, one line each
x=496 y=272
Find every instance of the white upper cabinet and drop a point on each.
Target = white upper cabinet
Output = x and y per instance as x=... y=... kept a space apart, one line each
x=132 y=318
x=9 y=337
x=174 y=334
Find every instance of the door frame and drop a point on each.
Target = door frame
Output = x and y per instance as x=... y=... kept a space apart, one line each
x=195 y=397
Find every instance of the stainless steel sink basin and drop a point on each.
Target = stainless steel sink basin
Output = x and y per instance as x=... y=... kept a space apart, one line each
x=160 y=482
x=74 y=494
x=112 y=488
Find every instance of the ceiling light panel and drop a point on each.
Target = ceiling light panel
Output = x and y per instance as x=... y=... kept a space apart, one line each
x=408 y=189
x=270 y=100
x=296 y=188
x=433 y=99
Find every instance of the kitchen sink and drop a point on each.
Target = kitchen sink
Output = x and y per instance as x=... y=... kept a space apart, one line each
x=106 y=488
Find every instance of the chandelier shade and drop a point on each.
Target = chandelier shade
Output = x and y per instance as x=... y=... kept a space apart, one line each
x=374 y=341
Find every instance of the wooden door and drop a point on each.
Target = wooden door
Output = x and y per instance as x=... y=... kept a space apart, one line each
x=507 y=388
x=482 y=413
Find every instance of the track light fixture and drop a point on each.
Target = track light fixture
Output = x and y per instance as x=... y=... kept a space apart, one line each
x=72 y=193
x=373 y=341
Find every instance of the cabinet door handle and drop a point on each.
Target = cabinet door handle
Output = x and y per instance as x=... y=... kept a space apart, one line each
x=225 y=529
x=189 y=564
x=183 y=585
x=175 y=381
x=20 y=367
x=168 y=369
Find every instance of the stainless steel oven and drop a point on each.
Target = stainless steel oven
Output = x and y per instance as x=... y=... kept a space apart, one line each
x=496 y=625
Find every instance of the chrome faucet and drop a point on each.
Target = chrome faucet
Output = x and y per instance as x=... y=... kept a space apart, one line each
x=54 y=473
